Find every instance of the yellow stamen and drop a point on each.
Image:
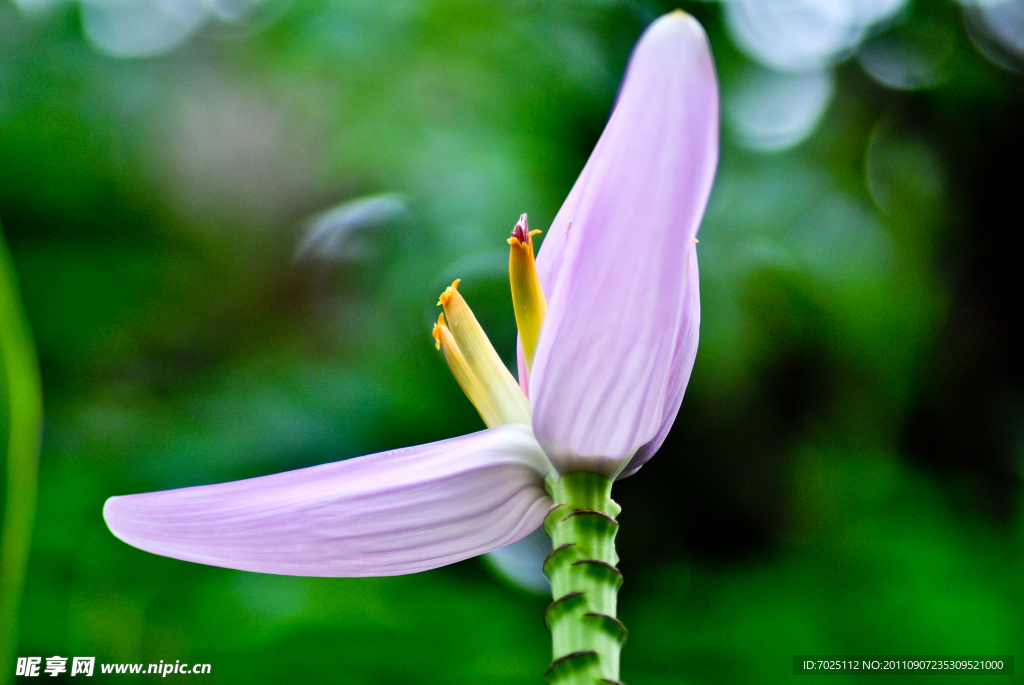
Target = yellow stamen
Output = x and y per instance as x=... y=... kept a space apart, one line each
x=481 y=359
x=437 y=331
x=446 y=296
x=527 y=295
x=463 y=375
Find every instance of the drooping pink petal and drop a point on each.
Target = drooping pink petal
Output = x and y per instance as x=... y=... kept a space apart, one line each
x=682 y=366
x=385 y=514
x=601 y=385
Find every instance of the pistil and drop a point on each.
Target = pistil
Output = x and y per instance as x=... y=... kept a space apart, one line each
x=527 y=295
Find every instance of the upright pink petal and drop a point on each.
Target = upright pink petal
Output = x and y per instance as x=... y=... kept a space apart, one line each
x=679 y=375
x=386 y=514
x=609 y=366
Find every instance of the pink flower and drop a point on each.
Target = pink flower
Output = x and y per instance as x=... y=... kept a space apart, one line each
x=608 y=367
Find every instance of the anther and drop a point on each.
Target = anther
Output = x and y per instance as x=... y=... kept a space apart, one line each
x=448 y=293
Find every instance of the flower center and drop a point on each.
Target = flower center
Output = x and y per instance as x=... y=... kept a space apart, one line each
x=469 y=353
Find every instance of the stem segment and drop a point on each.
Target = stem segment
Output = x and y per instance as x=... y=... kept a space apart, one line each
x=586 y=636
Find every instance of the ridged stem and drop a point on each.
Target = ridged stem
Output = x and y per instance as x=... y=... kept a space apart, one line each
x=586 y=636
x=25 y=405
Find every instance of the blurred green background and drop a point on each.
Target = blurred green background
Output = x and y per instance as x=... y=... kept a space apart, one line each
x=845 y=472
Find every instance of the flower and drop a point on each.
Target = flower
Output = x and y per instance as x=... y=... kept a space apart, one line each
x=608 y=322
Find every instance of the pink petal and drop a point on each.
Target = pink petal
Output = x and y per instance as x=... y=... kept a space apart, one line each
x=679 y=376
x=606 y=376
x=385 y=514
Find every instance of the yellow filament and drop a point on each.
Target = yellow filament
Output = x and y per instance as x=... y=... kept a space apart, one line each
x=464 y=375
x=527 y=295
x=486 y=366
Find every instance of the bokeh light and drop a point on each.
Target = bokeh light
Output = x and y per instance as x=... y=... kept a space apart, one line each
x=997 y=30
x=771 y=110
x=803 y=35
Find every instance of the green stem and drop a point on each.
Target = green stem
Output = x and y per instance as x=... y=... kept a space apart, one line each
x=25 y=402
x=586 y=636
